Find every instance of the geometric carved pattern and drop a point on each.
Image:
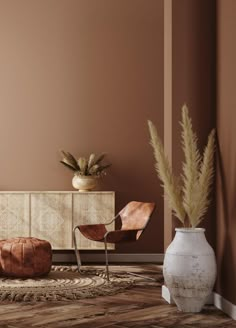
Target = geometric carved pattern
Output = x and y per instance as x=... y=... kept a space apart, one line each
x=50 y=220
x=14 y=215
x=93 y=213
x=9 y=220
x=52 y=215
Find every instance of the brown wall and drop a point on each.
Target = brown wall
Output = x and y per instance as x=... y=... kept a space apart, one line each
x=193 y=80
x=226 y=164
x=193 y=83
x=83 y=76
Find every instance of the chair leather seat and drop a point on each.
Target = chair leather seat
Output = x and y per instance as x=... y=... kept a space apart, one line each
x=94 y=232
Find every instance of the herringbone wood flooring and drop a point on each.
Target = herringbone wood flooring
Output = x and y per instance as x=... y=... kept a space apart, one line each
x=141 y=306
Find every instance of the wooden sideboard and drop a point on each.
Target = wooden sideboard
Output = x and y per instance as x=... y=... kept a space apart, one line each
x=51 y=215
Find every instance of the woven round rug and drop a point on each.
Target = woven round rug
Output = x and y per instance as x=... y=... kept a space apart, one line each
x=63 y=283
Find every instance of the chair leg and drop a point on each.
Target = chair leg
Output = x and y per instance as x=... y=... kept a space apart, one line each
x=77 y=254
x=107 y=265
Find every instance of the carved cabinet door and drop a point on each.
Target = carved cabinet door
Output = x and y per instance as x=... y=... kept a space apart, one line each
x=51 y=218
x=92 y=208
x=14 y=215
x=52 y=215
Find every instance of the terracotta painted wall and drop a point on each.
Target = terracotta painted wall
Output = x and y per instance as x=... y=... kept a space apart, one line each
x=83 y=76
x=226 y=164
x=194 y=79
x=192 y=82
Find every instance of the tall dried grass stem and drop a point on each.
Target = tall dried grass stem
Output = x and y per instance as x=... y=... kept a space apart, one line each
x=163 y=168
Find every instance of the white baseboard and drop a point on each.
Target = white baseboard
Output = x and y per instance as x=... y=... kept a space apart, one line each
x=216 y=299
x=113 y=258
x=225 y=306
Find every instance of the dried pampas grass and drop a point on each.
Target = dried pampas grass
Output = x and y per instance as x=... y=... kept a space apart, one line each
x=164 y=171
x=189 y=200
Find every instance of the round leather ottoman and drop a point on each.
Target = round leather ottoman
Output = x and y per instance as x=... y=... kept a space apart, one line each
x=25 y=257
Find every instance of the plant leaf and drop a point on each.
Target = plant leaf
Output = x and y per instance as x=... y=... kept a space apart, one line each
x=103 y=167
x=100 y=158
x=69 y=159
x=83 y=164
x=91 y=161
x=94 y=169
x=68 y=165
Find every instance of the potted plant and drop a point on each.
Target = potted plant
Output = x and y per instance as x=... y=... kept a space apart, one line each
x=189 y=267
x=86 y=170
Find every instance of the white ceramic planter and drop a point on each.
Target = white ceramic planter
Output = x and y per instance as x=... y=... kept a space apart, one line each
x=189 y=269
x=84 y=183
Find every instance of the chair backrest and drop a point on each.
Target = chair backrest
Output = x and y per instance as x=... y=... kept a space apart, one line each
x=136 y=215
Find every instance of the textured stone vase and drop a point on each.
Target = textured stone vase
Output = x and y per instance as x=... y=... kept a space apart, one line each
x=189 y=269
x=84 y=183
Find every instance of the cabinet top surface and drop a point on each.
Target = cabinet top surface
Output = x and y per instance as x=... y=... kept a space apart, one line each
x=56 y=192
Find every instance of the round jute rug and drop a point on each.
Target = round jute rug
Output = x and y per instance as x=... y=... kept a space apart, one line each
x=63 y=283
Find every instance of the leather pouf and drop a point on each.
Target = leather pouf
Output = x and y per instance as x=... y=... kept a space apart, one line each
x=25 y=257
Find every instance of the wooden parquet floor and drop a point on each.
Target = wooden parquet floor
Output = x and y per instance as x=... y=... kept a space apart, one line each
x=140 y=306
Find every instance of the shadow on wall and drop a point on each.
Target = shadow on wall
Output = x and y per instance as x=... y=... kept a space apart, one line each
x=226 y=267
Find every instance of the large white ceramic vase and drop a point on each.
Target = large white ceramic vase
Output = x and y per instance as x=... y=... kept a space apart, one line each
x=189 y=269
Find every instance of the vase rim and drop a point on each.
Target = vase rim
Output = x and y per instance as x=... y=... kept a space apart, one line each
x=86 y=176
x=190 y=230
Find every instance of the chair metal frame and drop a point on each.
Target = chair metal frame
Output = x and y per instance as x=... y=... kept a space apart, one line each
x=77 y=253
